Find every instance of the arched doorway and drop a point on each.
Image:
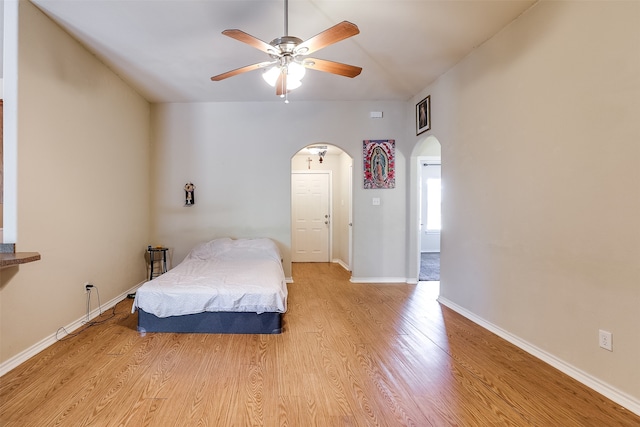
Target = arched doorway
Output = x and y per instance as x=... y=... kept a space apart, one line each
x=313 y=168
x=430 y=218
x=426 y=160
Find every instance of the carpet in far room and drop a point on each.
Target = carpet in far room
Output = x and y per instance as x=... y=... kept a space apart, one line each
x=429 y=267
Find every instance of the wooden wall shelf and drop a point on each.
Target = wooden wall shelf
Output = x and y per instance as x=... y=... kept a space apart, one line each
x=17 y=258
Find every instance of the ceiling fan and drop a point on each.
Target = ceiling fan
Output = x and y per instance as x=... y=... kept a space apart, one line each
x=289 y=55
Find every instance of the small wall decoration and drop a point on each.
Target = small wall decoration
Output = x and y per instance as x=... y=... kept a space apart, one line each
x=423 y=115
x=379 y=163
x=189 y=194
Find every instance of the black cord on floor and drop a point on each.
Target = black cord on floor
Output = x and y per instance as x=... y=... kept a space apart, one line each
x=89 y=288
x=87 y=324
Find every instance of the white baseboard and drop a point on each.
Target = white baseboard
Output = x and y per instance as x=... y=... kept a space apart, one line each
x=25 y=355
x=341 y=263
x=378 y=280
x=623 y=399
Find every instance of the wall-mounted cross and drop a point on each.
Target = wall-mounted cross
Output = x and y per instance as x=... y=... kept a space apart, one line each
x=309 y=160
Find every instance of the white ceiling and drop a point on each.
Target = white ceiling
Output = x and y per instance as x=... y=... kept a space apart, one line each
x=169 y=49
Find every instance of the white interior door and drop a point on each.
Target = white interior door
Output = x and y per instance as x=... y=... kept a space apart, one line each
x=310 y=214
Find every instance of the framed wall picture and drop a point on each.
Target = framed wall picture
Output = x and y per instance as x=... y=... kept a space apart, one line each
x=379 y=163
x=423 y=115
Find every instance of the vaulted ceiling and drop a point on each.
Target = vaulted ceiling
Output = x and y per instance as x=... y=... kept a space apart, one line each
x=169 y=49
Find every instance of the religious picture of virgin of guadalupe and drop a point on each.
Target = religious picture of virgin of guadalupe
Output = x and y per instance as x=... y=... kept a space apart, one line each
x=379 y=163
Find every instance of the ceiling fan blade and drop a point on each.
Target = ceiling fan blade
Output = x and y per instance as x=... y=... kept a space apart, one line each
x=281 y=84
x=251 y=41
x=332 y=35
x=241 y=70
x=332 y=67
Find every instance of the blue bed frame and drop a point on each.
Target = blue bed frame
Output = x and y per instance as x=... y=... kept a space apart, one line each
x=212 y=323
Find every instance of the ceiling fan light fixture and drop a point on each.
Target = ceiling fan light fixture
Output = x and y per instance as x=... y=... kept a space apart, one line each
x=270 y=75
x=295 y=73
x=293 y=84
x=317 y=149
x=288 y=52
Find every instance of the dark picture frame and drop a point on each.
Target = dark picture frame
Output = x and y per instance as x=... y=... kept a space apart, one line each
x=423 y=115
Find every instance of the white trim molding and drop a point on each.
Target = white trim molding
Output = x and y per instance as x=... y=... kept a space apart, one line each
x=623 y=399
x=25 y=355
x=341 y=264
x=399 y=280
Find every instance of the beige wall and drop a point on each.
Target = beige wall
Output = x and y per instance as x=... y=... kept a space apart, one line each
x=82 y=185
x=540 y=149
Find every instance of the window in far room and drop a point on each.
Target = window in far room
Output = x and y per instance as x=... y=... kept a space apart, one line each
x=434 y=191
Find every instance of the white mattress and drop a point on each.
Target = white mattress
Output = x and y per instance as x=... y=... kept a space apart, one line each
x=243 y=275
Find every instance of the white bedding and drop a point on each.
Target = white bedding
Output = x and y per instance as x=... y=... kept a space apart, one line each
x=243 y=275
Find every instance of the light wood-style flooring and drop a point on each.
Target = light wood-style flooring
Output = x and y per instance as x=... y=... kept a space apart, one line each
x=350 y=355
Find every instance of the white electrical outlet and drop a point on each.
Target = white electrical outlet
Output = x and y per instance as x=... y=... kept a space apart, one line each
x=606 y=340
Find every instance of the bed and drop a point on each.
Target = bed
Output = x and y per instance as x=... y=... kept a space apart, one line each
x=222 y=286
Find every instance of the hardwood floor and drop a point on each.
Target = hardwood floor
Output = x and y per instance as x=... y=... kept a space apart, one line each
x=350 y=355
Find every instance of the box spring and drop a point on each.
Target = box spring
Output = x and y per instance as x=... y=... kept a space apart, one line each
x=212 y=323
